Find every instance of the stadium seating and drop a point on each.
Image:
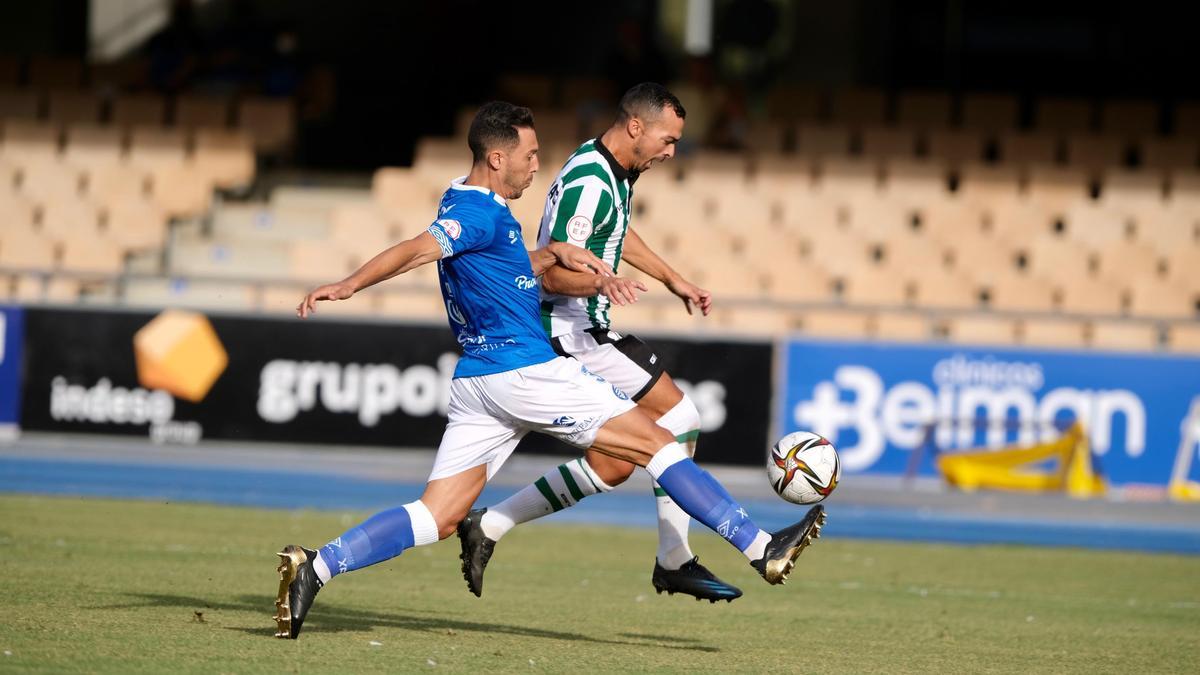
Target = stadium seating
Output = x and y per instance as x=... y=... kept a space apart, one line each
x=853 y=214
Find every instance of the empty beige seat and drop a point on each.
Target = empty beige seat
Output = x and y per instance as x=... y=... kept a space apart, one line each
x=1017 y=220
x=50 y=181
x=97 y=255
x=876 y=286
x=1047 y=332
x=1184 y=337
x=201 y=111
x=70 y=219
x=1128 y=117
x=136 y=224
x=131 y=110
x=154 y=148
x=834 y=323
x=226 y=157
x=984 y=185
x=1124 y=336
x=1169 y=229
x=770 y=137
x=270 y=122
x=194 y=256
x=1082 y=295
x=915 y=182
x=912 y=253
x=981 y=329
x=949 y=220
x=1132 y=192
x=729 y=318
x=1185 y=190
x=18 y=211
x=1176 y=152
x=420 y=305
x=281 y=299
x=181 y=190
x=395 y=187
x=73 y=107
x=1095 y=153
x=1056 y=188
x=794 y=103
x=1157 y=298
x=39 y=288
x=730 y=278
x=983 y=259
x=902 y=326
x=888 y=142
x=1020 y=293
x=311 y=260
x=936 y=288
x=877 y=218
x=814 y=285
x=530 y=89
x=1129 y=259
x=955 y=146
x=1087 y=223
x=21 y=104
x=1024 y=148
x=182 y=292
x=859 y=106
x=116 y=184
x=93 y=147
x=26 y=141
x=1063 y=115
x=923 y=109
x=989 y=112
x=847 y=179
x=1187 y=119
x=10 y=70
x=815 y=140
x=1183 y=265
x=53 y=71
x=24 y=249
x=1056 y=258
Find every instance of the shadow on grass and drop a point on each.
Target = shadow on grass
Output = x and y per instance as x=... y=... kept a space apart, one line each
x=332 y=618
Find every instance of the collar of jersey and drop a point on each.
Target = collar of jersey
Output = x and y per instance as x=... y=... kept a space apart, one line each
x=457 y=184
x=619 y=172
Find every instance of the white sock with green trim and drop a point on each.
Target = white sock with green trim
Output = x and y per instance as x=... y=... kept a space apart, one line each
x=558 y=489
x=683 y=421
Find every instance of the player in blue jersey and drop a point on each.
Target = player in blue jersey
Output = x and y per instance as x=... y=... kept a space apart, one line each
x=509 y=381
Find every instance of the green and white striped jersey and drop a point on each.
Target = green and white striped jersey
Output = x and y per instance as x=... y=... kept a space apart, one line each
x=588 y=205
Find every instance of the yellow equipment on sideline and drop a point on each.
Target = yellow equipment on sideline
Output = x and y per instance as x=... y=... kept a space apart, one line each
x=1014 y=468
x=1181 y=489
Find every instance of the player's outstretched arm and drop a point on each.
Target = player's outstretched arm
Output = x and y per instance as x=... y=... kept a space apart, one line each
x=637 y=253
x=562 y=281
x=575 y=258
x=401 y=258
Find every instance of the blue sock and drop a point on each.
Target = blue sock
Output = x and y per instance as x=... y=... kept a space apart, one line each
x=706 y=500
x=383 y=536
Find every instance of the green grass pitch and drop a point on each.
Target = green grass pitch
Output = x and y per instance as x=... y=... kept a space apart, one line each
x=114 y=586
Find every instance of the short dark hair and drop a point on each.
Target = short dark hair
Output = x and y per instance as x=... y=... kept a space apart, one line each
x=647 y=100
x=494 y=125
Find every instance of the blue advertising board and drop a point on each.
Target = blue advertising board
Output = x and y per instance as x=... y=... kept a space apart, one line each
x=879 y=403
x=12 y=332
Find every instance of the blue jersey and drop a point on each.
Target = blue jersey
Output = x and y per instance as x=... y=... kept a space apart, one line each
x=488 y=284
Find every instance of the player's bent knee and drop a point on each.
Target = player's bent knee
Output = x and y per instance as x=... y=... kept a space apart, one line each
x=611 y=470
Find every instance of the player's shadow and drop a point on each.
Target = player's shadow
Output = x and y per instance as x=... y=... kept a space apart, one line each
x=333 y=618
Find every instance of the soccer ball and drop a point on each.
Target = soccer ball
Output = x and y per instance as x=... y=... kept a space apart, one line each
x=803 y=467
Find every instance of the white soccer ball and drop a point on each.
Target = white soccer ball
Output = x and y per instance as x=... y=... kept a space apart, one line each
x=803 y=467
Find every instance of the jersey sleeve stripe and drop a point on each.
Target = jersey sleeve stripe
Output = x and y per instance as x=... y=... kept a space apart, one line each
x=442 y=240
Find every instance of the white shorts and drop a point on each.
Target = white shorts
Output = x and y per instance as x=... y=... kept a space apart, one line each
x=623 y=360
x=490 y=414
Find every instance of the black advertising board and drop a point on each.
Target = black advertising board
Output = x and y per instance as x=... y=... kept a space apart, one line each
x=281 y=380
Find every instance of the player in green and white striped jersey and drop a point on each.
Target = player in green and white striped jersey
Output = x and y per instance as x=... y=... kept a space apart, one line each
x=589 y=205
